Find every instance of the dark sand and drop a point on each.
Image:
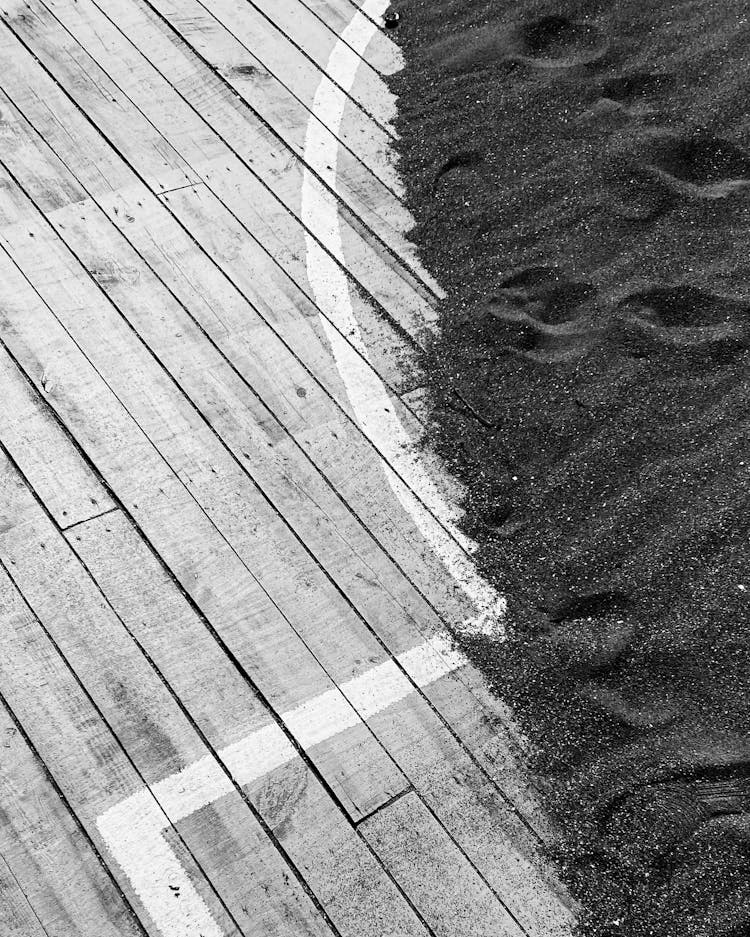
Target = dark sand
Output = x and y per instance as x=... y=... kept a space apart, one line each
x=580 y=176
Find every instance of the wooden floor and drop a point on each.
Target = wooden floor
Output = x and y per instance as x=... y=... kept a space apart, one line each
x=229 y=704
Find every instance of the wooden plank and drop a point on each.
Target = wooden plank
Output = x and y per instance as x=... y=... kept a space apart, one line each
x=364 y=196
x=363 y=255
x=234 y=853
x=391 y=607
x=477 y=817
x=197 y=551
x=342 y=873
x=301 y=28
x=307 y=414
x=67 y=486
x=126 y=572
x=373 y=10
x=255 y=532
x=423 y=859
x=382 y=53
x=49 y=855
x=360 y=174
x=344 y=466
x=166 y=169
x=17 y=917
x=225 y=148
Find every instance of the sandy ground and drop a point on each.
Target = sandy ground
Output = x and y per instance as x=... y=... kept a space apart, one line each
x=580 y=175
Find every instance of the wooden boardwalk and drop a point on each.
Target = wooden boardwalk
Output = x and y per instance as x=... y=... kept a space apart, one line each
x=229 y=702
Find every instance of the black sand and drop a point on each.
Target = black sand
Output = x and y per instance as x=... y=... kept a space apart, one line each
x=580 y=176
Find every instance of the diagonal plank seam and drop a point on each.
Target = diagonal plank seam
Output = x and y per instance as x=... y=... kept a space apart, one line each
x=452 y=732
x=148 y=807
x=360 y=53
x=188 y=233
x=21 y=889
x=49 y=777
x=145 y=825
x=346 y=91
x=372 y=406
x=320 y=171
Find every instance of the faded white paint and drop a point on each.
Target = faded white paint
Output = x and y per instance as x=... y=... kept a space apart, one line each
x=133 y=829
x=411 y=482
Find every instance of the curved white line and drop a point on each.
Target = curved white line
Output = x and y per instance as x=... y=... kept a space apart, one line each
x=368 y=396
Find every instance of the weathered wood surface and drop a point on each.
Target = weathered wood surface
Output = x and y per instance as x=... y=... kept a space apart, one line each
x=334 y=444
x=228 y=704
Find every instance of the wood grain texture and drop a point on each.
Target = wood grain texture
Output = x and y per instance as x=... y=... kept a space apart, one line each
x=69 y=488
x=312 y=602
x=305 y=598
x=79 y=750
x=47 y=858
x=381 y=53
x=299 y=27
x=17 y=917
x=449 y=893
x=280 y=116
x=229 y=150
x=116 y=176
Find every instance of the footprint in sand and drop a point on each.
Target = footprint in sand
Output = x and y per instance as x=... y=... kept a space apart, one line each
x=547 y=42
x=588 y=634
x=674 y=318
x=665 y=170
x=558 y=42
x=539 y=308
x=700 y=164
x=682 y=307
x=589 y=605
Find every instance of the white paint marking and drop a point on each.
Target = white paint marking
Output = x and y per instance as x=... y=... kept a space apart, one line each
x=411 y=482
x=133 y=830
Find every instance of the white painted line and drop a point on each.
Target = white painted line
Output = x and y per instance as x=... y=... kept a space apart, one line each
x=133 y=830
x=369 y=398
